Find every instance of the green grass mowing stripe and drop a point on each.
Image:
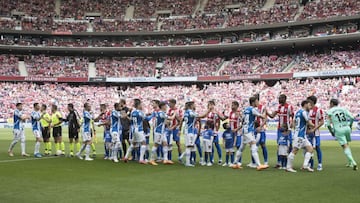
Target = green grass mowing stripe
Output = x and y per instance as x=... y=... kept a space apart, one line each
x=71 y=180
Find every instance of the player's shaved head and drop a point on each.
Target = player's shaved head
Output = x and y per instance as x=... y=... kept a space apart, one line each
x=122 y=101
x=282 y=99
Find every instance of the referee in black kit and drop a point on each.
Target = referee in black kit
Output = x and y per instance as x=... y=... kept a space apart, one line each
x=74 y=128
x=125 y=122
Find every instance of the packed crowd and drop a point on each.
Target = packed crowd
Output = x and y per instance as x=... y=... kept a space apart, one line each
x=9 y=65
x=71 y=66
x=256 y=65
x=327 y=9
x=56 y=66
x=175 y=40
x=347 y=90
x=40 y=14
x=335 y=60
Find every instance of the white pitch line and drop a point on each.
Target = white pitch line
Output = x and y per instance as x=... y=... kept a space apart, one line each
x=28 y=159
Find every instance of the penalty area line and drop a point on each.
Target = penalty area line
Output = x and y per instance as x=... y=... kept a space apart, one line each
x=28 y=159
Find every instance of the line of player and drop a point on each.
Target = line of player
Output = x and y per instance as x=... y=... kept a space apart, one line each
x=296 y=131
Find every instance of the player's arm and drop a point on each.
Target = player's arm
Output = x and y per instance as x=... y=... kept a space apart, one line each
x=308 y=121
x=222 y=115
x=271 y=115
x=258 y=114
x=329 y=125
x=204 y=114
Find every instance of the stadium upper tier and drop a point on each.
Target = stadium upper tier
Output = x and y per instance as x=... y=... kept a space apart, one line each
x=71 y=66
x=347 y=90
x=155 y=15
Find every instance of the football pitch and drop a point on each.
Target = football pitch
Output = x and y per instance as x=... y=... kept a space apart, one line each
x=63 y=179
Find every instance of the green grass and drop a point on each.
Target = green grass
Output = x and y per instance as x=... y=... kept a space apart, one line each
x=71 y=180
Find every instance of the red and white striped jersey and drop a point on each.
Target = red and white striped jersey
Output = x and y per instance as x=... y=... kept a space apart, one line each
x=261 y=109
x=316 y=115
x=215 y=119
x=234 y=119
x=285 y=113
x=178 y=113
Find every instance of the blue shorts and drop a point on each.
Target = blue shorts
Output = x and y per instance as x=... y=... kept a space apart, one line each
x=107 y=136
x=197 y=141
x=147 y=140
x=175 y=135
x=262 y=138
x=314 y=140
x=278 y=136
x=216 y=139
x=238 y=141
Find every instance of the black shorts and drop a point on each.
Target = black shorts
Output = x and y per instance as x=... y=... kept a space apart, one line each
x=57 y=131
x=125 y=134
x=45 y=133
x=73 y=134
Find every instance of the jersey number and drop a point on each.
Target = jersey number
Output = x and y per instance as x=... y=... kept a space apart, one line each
x=340 y=116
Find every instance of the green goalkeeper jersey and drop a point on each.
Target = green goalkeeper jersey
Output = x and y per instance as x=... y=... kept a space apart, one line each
x=340 y=117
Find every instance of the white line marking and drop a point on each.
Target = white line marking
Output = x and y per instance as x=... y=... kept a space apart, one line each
x=28 y=159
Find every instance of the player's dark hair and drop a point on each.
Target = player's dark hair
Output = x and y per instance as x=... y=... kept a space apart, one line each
x=334 y=102
x=54 y=106
x=35 y=104
x=102 y=105
x=137 y=103
x=257 y=95
x=161 y=104
x=157 y=102
x=303 y=103
x=252 y=100
x=235 y=103
x=212 y=102
x=209 y=125
x=224 y=125
x=188 y=104
x=116 y=105
x=18 y=104
x=71 y=105
x=86 y=104
x=173 y=101
x=312 y=98
x=44 y=106
x=283 y=96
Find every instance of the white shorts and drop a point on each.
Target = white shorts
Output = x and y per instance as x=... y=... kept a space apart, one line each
x=207 y=145
x=86 y=136
x=190 y=139
x=229 y=150
x=300 y=142
x=37 y=134
x=137 y=137
x=19 y=134
x=115 y=137
x=283 y=150
x=159 y=138
x=248 y=138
